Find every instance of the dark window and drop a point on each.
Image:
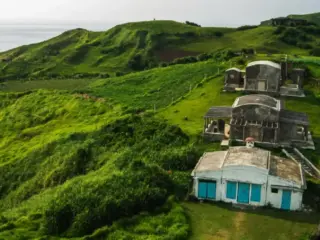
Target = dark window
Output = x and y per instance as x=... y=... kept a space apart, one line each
x=274 y=190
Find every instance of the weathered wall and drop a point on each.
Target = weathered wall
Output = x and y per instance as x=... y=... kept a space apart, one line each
x=288 y=132
x=256 y=73
x=254 y=112
x=275 y=199
x=232 y=77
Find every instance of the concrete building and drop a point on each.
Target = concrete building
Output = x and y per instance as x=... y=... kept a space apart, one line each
x=263 y=76
x=261 y=117
x=233 y=79
x=266 y=77
x=251 y=176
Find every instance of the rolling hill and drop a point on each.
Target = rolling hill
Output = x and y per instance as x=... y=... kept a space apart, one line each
x=136 y=46
x=313 y=17
x=110 y=158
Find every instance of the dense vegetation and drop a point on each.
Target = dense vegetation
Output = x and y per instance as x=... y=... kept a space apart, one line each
x=111 y=158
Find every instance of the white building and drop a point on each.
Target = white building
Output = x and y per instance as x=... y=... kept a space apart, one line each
x=249 y=175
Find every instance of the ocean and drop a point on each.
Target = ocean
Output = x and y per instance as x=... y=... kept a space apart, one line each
x=15 y=35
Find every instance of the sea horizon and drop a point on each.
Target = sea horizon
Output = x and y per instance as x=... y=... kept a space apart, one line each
x=15 y=34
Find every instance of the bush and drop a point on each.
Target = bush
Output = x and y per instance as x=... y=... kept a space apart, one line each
x=218 y=34
x=139 y=188
x=304 y=45
x=279 y=30
x=246 y=27
x=119 y=74
x=315 y=52
x=203 y=57
x=192 y=24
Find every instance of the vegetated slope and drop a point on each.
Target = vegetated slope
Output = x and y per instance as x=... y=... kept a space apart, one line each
x=134 y=47
x=126 y=47
x=313 y=17
x=72 y=166
x=157 y=87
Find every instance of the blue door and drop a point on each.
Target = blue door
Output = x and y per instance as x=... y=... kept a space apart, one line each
x=243 y=192
x=255 y=193
x=211 y=190
x=202 y=190
x=231 y=190
x=286 y=200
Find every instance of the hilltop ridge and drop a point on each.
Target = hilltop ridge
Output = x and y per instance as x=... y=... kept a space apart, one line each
x=135 y=46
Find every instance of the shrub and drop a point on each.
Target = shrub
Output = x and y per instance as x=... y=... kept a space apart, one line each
x=218 y=34
x=315 y=52
x=304 y=45
x=203 y=57
x=119 y=74
x=246 y=27
x=279 y=30
x=192 y=24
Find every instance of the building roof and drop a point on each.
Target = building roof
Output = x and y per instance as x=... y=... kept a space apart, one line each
x=269 y=63
x=286 y=169
x=245 y=156
x=233 y=69
x=219 y=112
x=210 y=161
x=288 y=116
x=283 y=168
x=258 y=99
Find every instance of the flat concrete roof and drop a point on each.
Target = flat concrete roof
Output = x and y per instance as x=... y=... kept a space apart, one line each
x=286 y=169
x=268 y=63
x=210 y=161
x=247 y=157
x=259 y=99
x=219 y=112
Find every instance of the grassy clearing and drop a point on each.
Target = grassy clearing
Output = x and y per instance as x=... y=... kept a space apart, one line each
x=157 y=87
x=220 y=221
x=261 y=39
x=196 y=104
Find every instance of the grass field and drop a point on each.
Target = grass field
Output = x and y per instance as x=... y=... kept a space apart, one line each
x=221 y=222
x=54 y=84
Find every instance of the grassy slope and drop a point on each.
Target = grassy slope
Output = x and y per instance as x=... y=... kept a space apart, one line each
x=220 y=221
x=80 y=51
x=62 y=153
x=313 y=17
x=53 y=139
x=154 y=87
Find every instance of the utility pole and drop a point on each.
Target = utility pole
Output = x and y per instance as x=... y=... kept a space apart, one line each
x=190 y=88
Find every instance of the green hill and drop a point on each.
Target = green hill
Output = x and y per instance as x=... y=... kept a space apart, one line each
x=111 y=158
x=313 y=17
x=136 y=46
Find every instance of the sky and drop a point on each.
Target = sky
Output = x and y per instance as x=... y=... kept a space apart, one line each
x=203 y=12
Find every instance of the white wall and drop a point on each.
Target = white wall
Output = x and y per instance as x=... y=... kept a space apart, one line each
x=252 y=175
x=210 y=175
x=245 y=174
x=275 y=199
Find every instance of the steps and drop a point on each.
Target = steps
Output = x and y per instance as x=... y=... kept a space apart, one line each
x=306 y=165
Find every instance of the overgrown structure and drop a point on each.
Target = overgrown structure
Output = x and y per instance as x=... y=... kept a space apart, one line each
x=261 y=117
x=265 y=77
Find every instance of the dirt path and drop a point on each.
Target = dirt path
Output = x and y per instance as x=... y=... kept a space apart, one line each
x=237 y=221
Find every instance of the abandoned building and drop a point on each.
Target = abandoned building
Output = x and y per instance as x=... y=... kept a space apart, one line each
x=265 y=77
x=261 y=117
x=250 y=176
x=234 y=78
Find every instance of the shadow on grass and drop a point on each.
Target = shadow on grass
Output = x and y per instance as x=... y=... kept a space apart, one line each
x=292 y=216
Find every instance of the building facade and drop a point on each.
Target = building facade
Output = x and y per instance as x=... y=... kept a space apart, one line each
x=261 y=117
x=250 y=176
x=263 y=76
